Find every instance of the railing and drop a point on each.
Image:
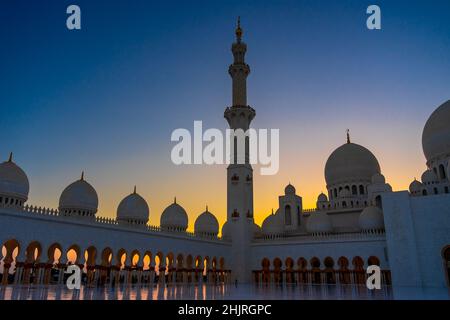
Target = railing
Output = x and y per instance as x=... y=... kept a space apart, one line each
x=363 y=234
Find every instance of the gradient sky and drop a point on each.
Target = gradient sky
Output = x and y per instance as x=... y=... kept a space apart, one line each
x=106 y=99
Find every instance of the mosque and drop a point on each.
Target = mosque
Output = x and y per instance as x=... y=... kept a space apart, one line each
x=361 y=221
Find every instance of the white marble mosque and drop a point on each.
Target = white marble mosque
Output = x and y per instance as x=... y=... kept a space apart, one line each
x=361 y=221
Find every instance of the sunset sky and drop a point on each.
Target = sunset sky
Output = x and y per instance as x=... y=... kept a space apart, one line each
x=105 y=99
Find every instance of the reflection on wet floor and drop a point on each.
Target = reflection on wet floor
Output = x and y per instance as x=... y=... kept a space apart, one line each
x=218 y=292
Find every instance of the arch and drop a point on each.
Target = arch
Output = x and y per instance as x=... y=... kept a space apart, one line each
x=358 y=263
x=180 y=260
x=302 y=263
x=446 y=260
x=289 y=263
x=147 y=260
x=135 y=257
x=358 y=270
x=328 y=263
x=106 y=256
x=54 y=253
x=315 y=268
x=265 y=264
x=214 y=263
x=222 y=263
x=277 y=263
x=354 y=190
x=159 y=262
x=343 y=263
x=315 y=263
x=442 y=174
x=198 y=261
x=33 y=252
x=361 y=189
x=73 y=254
x=373 y=261
x=379 y=201
x=9 y=248
x=189 y=261
x=287 y=215
x=121 y=258
x=206 y=261
x=90 y=255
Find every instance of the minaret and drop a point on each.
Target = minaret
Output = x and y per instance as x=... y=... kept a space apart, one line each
x=240 y=176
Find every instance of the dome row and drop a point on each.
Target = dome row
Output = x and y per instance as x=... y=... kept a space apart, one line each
x=79 y=199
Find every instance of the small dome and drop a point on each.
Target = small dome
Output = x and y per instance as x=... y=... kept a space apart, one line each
x=13 y=180
x=133 y=208
x=206 y=224
x=319 y=222
x=429 y=177
x=79 y=195
x=322 y=198
x=272 y=224
x=415 y=187
x=350 y=162
x=436 y=133
x=174 y=217
x=378 y=178
x=371 y=218
x=225 y=231
x=290 y=189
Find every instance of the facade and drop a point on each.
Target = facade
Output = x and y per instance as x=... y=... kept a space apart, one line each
x=360 y=222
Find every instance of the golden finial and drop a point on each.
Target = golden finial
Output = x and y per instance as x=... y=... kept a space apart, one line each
x=82 y=175
x=175 y=200
x=238 y=30
x=348 y=135
x=134 y=191
x=10 y=157
x=206 y=208
x=272 y=210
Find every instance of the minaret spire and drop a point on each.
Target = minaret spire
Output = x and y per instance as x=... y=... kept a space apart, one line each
x=82 y=175
x=348 y=135
x=10 y=157
x=239 y=30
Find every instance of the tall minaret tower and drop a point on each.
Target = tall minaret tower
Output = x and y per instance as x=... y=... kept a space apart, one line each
x=240 y=176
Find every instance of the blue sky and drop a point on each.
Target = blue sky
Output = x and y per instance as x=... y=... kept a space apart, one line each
x=105 y=99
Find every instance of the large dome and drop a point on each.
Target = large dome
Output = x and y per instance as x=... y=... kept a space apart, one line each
x=436 y=133
x=133 y=208
x=350 y=162
x=79 y=195
x=13 y=180
x=174 y=217
x=206 y=224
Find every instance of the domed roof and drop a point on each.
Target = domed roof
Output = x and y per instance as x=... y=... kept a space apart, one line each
x=290 y=189
x=371 y=218
x=79 y=195
x=378 y=178
x=206 y=223
x=429 y=177
x=319 y=222
x=272 y=224
x=415 y=186
x=350 y=162
x=13 y=180
x=174 y=216
x=436 y=133
x=133 y=207
x=225 y=231
x=322 y=197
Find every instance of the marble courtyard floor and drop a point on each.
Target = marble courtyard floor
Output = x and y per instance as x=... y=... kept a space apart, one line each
x=220 y=292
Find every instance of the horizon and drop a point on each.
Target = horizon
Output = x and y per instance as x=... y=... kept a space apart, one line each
x=105 y=99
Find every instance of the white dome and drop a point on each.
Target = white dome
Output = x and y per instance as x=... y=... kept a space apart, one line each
x=350 y=162
x=290 y=189
x=13 y=180
x=133 y=208
x=322 y=198
x=225 y=231
x=79 y=195
x=272 y=224
x=429 y=177
x=436 y=133
x=371 y=218
x=206 y=224
x=415 y=187
x=378 y=178
x=174 y=217
x=345 y=193
x=319 y=222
